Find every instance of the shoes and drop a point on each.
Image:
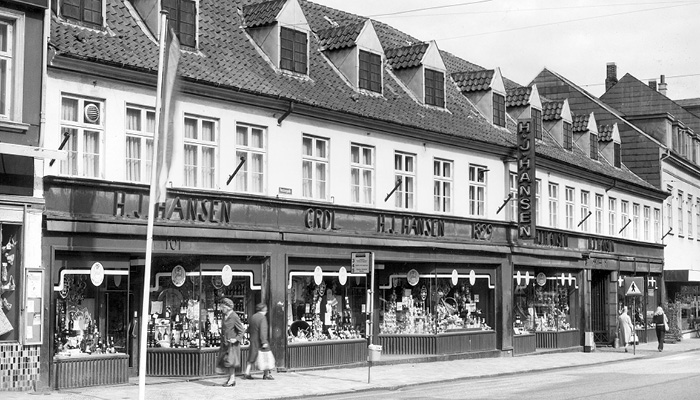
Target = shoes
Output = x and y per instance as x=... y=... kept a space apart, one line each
x=229 y=384
x=268 y=377
x=625 y=350
x=248 y=377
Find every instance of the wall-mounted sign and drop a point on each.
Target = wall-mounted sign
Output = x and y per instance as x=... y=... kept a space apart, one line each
x=319 y=218
x=318 y=275
x=97 y=274
x=360 y=262
x=178 y=275
x=343 y=276
x=284 y=190
x=226 y=275
x=410 y=225
x=541 y=279
x=412 y=277
x=472 y=277
x=455 y=277
x=634 y=286
x=526 y=180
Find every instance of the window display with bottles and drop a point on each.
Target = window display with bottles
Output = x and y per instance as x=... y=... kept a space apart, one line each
x=545 y=304
x=10 y=236
x=417 y=303
x=330 y=310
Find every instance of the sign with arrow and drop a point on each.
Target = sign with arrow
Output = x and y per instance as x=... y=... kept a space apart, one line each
x=634 y=286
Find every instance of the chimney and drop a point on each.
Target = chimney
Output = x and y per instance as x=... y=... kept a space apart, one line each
x=611 y=76
x=662 y=85
x=652 y=84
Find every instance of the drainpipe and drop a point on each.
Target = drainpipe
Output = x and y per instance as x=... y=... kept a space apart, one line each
x=39 y=163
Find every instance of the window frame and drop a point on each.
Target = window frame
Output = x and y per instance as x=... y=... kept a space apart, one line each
x=477 y=190
x=179 y=21
x=536 y=116
x=585 y=207
x=599 y=213
x=569 y=206
x=681 y=212
x=406 y=193
x=657 y=224
x=200 y=145
x=14 y=59
x=80 y=8
x=373 y=71
x=624 y=216
x=612 y=216
x=245 y=176
x=434 y=95
x=442 y=201
x=145 y=139
x=593 y=143
x=315 y=160
x=362 y=168
x=499 y=109
x=553 y=201
x=568 y=136
x=647 y=223
x=513 y=190
x=291 y=64
x=635 y=220
x=78 y=154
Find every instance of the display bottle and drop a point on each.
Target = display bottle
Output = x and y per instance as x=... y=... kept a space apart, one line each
x=207 y=326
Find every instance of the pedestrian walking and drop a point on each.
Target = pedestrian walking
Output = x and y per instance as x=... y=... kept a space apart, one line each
x=661 y=322
x=258 y=335
x=231 y=339
x=626 y=327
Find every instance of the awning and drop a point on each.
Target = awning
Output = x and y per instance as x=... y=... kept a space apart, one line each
x=682 y=275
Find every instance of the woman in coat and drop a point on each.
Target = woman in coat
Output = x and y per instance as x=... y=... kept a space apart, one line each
x=626 y=327
x=257 y=332
x=231 y=339
x=661 y=321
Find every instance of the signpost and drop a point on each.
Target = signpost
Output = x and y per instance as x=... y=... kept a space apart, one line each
x=363 y=263
x=633 y=288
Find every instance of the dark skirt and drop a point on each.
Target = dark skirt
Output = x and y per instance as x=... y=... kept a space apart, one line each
x=229 y=356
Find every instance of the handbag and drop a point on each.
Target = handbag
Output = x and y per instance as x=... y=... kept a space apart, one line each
x=5 y=325
x=230 y=358
x=265 y=360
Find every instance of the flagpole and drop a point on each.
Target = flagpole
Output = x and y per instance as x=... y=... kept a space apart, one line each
x=143 y=345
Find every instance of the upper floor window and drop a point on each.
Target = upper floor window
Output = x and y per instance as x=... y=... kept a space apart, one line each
x=182 y=18
x=538 y=191
x=657 y=224
x=568 y=134
x=370 y=77
x=569 y=194
x=697 y=215
x=251 y=143
x=293 y=50
x=477 y=190
x=82 y=123
x=499 y=110
x=140 y=127
x=585 y=209
x=669 y=208
x=635 y=220
x=616 y=155
x=200 y=152
x=434 y=88
x=361 y=174
x=681 y=202
x=690 y=215
x=536 y=122
x=594 y=146
x=11 y=42
x=599 y=200
x=553 y=205
x=647 y=222
x=513 y=203
x=624 y=217
x=612 y=216
x=88 y=11
x=315 y=163
x=442 y=185
x=405 y=169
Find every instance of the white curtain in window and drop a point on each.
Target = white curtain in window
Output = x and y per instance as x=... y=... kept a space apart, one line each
x=257 y=173
x=367 y=186
x=190 y=128
x=149 y=160
x=133 y=119
x=69 y=109
x=69 y=166
x=150 y=122
x=208 y=131
x=133 y=162
x=91 y=154
x=242 y=135
x=208 y=169
x=321 y=180
x=307 y=179
x=256 y=139
x=355 y=184
x=242 y=175
x=190 y=165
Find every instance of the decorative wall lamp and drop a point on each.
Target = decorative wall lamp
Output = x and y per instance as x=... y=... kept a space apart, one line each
x=667 y=233
x=66 y=136
x=584 y=218
x=509 y=198
x=396 y=187
x=623 y=228
x=240 y=164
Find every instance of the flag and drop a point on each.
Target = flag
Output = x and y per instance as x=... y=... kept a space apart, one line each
x=167 y=139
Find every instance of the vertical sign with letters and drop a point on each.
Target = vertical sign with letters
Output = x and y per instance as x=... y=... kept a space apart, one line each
x=527 y=184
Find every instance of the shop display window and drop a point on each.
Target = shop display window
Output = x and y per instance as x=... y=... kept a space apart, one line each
x=545 y=304
x=651 y=302
x=329 y=310
x=425 y=304
x=640 y=308
x=10 y=238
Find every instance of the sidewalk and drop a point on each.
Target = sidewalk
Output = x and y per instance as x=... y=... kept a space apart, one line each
x=299 y=384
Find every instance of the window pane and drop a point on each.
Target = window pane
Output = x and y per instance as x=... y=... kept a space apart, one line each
x=91 y=154
x=355 y=154
x=208 y=131
x=133 y=119
x=257 y=173
x=256 y=139
x=241 y=135
x=320 y=148
x=307 y=178
x=69 y=109
x=367 y=185
x=191 y=128
x=409 y=164
x=3 y=87
x=133 y=163
x=190 y=165
x=307 y=146
x=366 y=156
x=208 y=170
x=150 y=122
x=321 y=180
x=242 y=175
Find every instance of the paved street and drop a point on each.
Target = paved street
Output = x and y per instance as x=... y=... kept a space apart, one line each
x=353 y=381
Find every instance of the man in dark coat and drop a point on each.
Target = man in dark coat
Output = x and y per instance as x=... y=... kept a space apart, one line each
x=232 y=338
x=258 y=333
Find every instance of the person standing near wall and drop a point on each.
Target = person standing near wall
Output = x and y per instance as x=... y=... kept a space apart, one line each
x=258 y=332
x=661 y=322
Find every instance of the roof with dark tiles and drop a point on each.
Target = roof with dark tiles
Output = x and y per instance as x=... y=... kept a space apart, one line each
x=406 y=56
x=605 y=133
x=551 y=110
x=580 y=122
x=339 y=37
x=473 y=81
x=226 y=58
x=518 y=96
x=261 y=14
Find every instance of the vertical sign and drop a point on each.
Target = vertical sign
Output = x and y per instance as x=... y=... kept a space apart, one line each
x=32 y=332
x=526 y=180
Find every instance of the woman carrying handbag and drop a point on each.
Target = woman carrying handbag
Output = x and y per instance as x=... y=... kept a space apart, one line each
x=231 y=339
x=259 y=350
x=661 y=322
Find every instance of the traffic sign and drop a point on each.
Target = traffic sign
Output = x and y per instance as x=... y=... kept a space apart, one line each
x=634 y=286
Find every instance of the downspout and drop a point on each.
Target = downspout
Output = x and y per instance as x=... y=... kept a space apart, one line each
x=39 y=163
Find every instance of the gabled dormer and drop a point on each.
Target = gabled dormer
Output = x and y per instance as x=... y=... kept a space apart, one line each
x=421 y=69
x=585 y=131
x=524 y=102
x=609 y=141
x=557 y=119
x=486 y=90
x=89 y=13
x=280 y=29
x=355 y=50
x=182 y=17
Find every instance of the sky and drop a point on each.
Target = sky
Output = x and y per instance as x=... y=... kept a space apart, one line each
x=575 y=38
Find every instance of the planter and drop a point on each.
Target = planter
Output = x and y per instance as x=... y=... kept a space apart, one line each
x=524 y=344
x=461 y=341
x=90 y=370
x=558 y=340
x=327 y=352
x=185 y=362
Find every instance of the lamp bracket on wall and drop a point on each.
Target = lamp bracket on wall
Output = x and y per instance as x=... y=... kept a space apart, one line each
x=509 y=198
x=396 y=187
x=240 y=164
x=667 y=233
x=584 y=218
x=625 y=226
x=66 y=136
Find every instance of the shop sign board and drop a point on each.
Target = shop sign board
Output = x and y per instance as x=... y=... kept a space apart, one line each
x=361 y=262
x=526 y=180
x=634 y=286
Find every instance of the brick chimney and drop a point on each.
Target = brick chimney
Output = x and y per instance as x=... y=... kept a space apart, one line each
x=611 y=76
x=652 y=84
x=662 y=85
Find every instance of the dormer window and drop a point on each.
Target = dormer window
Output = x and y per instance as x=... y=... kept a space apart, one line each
x=434 y=88
x=182 y=17
x=594 y=146
x=370 y=68
x=616 y=155
x=499 y=110
x=293 y=50
x=537 y=122
x=87 y=11
x=568 y=134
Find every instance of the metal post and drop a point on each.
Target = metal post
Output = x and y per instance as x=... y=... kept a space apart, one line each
x=634 y=340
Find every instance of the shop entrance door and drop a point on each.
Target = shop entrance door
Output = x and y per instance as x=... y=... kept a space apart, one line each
x=599 y=317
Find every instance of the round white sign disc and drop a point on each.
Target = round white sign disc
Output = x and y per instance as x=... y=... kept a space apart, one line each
x=343 y=276
x=226 y=275
x=318 y=275
x=97 y=274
